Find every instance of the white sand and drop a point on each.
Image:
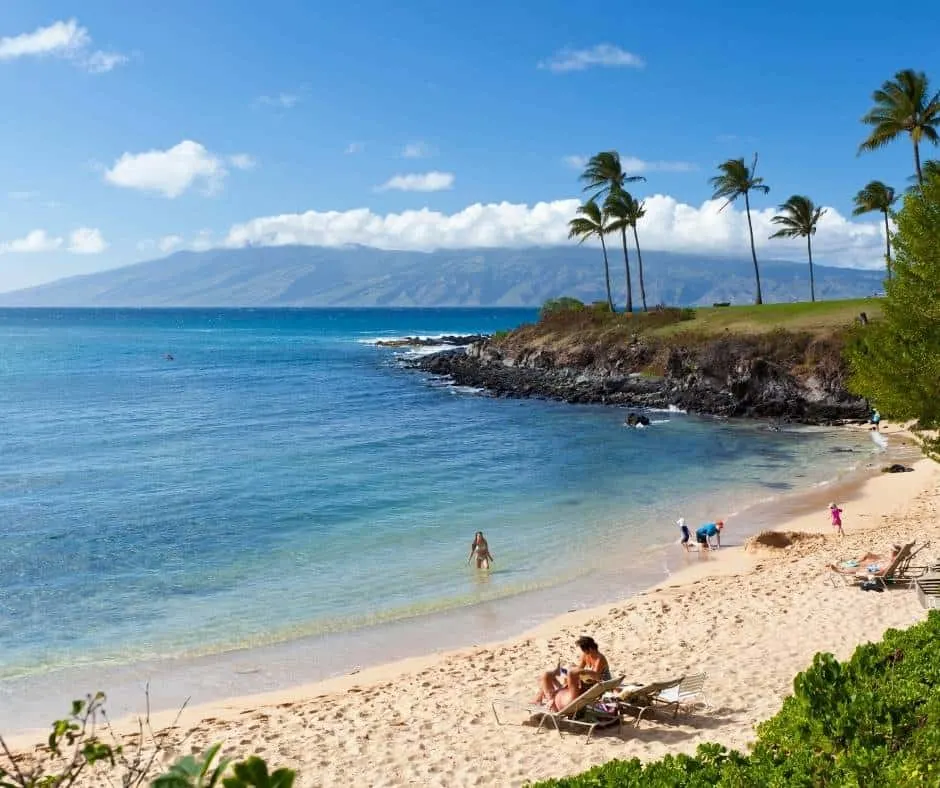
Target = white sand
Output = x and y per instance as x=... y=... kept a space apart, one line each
x=751 y=620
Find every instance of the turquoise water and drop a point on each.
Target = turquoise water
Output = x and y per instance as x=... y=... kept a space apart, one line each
x=282 y=477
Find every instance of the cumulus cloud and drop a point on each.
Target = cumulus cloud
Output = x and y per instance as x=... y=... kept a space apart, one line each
x=576 y=162
x=171 y=172
x=355 y=147
x=84 y=240
x=66 y=39
x=433 y=181
x=87 y=240
x=170 y=242
x=417 y=150
x=669 y=225
x=606 y=55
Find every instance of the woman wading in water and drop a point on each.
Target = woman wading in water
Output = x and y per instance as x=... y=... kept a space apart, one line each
x=481 y=550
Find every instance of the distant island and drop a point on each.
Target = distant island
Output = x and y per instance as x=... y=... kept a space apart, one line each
x=358 y=276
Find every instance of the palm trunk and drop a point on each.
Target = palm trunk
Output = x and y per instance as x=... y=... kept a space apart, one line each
x=639 y=258
x=747 y=205
x=626 y=265
x=920 y=174
x=888 y=246
x=610 y=301
x=812 y=279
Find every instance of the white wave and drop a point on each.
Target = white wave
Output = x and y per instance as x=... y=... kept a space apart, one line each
x=659 y=421
x=670 y=409
x=472 y=390
x=424 y=350
x=879 y=440
x=422 y=337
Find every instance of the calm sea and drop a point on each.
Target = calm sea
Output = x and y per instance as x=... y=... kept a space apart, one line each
x=281 y=477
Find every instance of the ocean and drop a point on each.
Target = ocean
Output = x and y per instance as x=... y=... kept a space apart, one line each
x=186 y=484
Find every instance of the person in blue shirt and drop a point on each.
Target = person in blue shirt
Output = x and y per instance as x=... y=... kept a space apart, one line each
x=704 y=533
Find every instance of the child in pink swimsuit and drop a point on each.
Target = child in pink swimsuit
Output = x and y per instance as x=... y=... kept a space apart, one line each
x=836 y=514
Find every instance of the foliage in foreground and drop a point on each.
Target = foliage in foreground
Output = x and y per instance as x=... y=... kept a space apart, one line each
x=76 y=750
x=874 y=720
x=896 y=361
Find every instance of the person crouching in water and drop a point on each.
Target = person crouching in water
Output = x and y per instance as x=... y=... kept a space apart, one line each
x=481 y=550
x=704 y=533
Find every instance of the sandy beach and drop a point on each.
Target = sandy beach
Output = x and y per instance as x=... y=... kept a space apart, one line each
x=751 y=618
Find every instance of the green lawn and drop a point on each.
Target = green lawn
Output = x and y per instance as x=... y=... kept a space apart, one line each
x=821 y=317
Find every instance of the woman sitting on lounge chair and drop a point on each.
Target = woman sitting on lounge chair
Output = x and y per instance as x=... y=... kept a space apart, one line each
x=591 y=669
x=871 y=562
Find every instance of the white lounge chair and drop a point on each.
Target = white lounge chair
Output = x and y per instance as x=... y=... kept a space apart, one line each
x=568 y=714
x=688 y=693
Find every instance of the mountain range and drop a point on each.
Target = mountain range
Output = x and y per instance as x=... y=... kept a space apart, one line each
x=363 y=276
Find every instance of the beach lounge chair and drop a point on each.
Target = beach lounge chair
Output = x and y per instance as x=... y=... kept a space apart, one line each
x=928 y=590
x=578 y=712
x=884 y=575
x=687 y=693
x=637 y=700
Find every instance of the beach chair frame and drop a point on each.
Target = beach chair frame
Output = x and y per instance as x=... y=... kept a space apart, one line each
x=687 y=693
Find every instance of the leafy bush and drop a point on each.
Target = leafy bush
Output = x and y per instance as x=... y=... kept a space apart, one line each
x=563 y=304
x=874 y=720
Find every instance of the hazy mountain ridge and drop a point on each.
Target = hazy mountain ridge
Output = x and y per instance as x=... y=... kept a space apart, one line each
x=363 y=276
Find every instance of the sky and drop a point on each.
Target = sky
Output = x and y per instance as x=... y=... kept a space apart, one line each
x=133 y=132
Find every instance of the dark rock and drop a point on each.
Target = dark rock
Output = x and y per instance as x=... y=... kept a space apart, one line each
x=896 y=468
x=458 y=340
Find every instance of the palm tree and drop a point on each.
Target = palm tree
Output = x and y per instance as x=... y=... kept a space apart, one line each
x=904 y=105
x=735 y=179
x=591 y=222
x=876 y=196
x=604 y=173
x=636 y=210
x=798 y=218
x=617 y=207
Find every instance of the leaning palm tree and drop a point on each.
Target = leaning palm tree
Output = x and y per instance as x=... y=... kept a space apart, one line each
x=636 y=210
x=604 y=174
x=590 y=222
x=617 y=207
x=904 y=105
x=876 y=196
x=798 y=218
x=736 y=179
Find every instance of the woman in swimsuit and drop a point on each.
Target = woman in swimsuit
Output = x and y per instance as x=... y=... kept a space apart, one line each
x=482 y=551
x=591 y=669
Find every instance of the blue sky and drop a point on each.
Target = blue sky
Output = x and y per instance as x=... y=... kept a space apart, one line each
x=296 y=109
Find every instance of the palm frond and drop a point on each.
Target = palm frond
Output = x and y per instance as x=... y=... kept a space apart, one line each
x=797 y=217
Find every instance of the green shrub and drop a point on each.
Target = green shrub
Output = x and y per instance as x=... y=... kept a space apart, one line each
x=563 y=304
x=874 y=720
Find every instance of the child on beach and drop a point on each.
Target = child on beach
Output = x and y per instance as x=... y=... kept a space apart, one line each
x=686 y=534
x=704 y=534
x=836 y=514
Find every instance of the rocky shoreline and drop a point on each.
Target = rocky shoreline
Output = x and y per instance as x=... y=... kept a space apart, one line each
x=727 y=377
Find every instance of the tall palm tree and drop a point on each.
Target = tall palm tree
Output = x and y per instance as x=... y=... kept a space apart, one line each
x=636 y=210
x=904 y=105
x=604 y=173
x=617 y=207
x=591 y=222
x=876 y=196
x=736 y=179
x=798 y=218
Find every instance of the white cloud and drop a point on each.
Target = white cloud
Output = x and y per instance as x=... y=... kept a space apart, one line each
x=606 y=55
x=417 y=150
x=103 y=62
x=169 y=172
x=84 y=240
x=433 y=181
x=61 y=39
x=203 y=241
x=170 y=242
x=634 y=166
x=282 y=100
x=576 y=162
x=23 y=196
x=243 y=161
x=668 y=225
x=87 y=240
x=355 y=147
x=31 y=243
